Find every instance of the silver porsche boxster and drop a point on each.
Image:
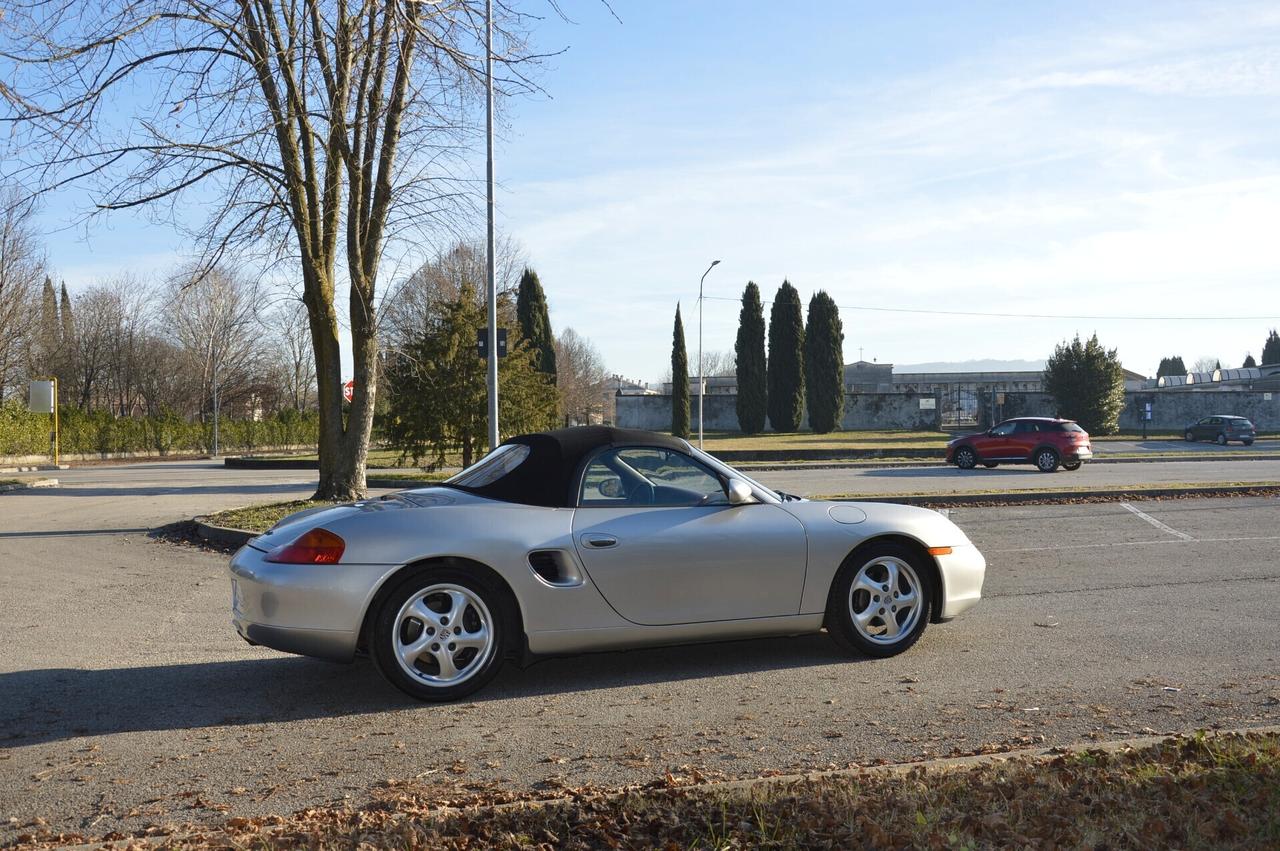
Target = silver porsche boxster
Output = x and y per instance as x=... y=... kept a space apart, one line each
x=592 y=538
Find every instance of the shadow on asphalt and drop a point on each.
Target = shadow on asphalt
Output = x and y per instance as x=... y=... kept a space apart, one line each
x=74 y=490
x=54 y=704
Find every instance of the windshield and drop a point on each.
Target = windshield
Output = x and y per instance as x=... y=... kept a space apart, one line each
x=491 y=467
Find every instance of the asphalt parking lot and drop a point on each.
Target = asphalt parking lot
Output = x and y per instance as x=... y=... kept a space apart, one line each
x=126 y=699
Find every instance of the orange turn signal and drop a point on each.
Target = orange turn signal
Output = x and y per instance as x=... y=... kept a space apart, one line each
x=939 y=551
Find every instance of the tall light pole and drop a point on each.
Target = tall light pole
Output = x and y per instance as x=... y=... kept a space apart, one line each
x=492 y=284
x=702 y=379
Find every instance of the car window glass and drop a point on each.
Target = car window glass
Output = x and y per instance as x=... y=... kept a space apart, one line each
x=491 y=467
x=1024 y=427
x=1070 y=427
x=1003 y=429
x=648 y=476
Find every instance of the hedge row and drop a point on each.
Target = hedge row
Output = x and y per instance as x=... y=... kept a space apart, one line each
x=25 y=433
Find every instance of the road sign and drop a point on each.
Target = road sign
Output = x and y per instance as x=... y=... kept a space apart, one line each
x=41 y=400
x=482 y=343
x=349 y=391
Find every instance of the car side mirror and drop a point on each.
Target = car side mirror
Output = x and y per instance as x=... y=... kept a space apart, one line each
x=612 y=488
x=740 y=492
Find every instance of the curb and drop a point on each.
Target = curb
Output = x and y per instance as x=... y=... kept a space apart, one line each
x=1052 y=497
x=222 y=535
x=872 y=464
x=34 y=483
x=941 y=764
x=39 y=468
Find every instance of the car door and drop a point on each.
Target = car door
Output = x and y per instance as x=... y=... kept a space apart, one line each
x=999 y=442
x=1207 y=428
x=657 y=536
x=1026 y=436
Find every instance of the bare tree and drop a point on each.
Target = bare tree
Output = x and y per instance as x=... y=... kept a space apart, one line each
x=21 y=270
x=1205 y=364
x=321 y=128
x=213 y=317
x=293 y=366
x=586 y=393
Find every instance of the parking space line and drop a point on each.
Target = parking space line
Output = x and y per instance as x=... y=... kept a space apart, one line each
x=1163 y=542
x=1154 y=522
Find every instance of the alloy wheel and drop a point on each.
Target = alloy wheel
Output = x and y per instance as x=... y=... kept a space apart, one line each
x=885 y=600
x=444 y=634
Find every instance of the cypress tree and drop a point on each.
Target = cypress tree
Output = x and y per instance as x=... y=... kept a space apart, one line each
x=1171 y=366
x=1271 y=350
x=535 y=322
x=679 y=381
x=786 y=360
x=50 y=330
x=751 y=371
x=1249 y=362
x=824 y=364
x=68 y=321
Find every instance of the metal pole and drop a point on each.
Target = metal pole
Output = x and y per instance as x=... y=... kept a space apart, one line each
x=215 y=403
x=492 y=284
x=702 y=381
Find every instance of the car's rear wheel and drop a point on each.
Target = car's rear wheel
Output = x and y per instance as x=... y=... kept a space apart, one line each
x=1188 y=436
x=1074 y=465
x=440 y=635
x=1046 y=460
x=880 y=601
x=1222 y=439
x=966 y=458
x=1247 y=442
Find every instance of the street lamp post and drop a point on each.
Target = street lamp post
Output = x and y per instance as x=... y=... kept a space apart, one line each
x=489 y=265
x=702 y=379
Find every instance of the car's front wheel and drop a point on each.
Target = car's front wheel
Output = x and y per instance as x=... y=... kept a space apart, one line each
x=1046 y=460
x=1071 y=467
x=879 y=604
x=966 y=458
x=1247 y=442
x=1188 y=436
x=440 y=635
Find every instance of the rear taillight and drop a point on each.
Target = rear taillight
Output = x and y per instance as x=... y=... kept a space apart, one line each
x=318 y=546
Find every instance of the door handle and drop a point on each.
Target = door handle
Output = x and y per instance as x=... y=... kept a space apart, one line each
x=599 y=542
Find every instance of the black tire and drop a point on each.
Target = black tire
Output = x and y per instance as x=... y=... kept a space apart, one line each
x=1221 y=439
x=842 y=599
x=1247 y=442
x=386 y=633
x=1189 y=436
x=1074 y=465
x=990 y=465
x=1045 y=459
x=966 y=457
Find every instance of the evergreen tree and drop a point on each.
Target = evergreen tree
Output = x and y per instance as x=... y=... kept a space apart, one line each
x=535 y=322
x=50 y=330
x=679 y=381
x=1088 y=383
x=68 y=321
x=824 y=364
x=1249 y=362
x=1171 y=366
x=751 y=365
x=786 y=360
x=437 y=387
x=1271 y=350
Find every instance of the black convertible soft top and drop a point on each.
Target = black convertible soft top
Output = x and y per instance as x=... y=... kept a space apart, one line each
x=547 y=476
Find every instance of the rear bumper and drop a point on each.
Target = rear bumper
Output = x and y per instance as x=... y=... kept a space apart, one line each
x=308 y=609
x=962 y=571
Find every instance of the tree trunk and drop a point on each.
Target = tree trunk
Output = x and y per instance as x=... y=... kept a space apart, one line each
x=343 y=447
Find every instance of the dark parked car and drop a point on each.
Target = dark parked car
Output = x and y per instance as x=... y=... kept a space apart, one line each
x=1041 y=441
x=1221 y=428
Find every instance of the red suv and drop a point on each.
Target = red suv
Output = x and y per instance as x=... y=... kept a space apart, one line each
x=1026 y=440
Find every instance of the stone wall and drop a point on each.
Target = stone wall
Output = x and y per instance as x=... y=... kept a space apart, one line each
x=1171 y=410
x=862 y=412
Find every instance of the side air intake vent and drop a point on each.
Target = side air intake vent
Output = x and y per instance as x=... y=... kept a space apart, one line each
x=554 y=567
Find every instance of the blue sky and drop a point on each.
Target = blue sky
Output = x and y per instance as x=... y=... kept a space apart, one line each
x=1084 y=158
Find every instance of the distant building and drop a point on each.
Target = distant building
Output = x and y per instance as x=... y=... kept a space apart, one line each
x=717 y=385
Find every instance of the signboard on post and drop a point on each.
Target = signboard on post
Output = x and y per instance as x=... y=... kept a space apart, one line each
x=349 y=391
x=482 y=343
x=41 y=398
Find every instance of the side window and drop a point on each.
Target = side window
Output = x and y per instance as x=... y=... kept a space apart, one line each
x=1003 y=430
x=1025 y=427
x=648 y=476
